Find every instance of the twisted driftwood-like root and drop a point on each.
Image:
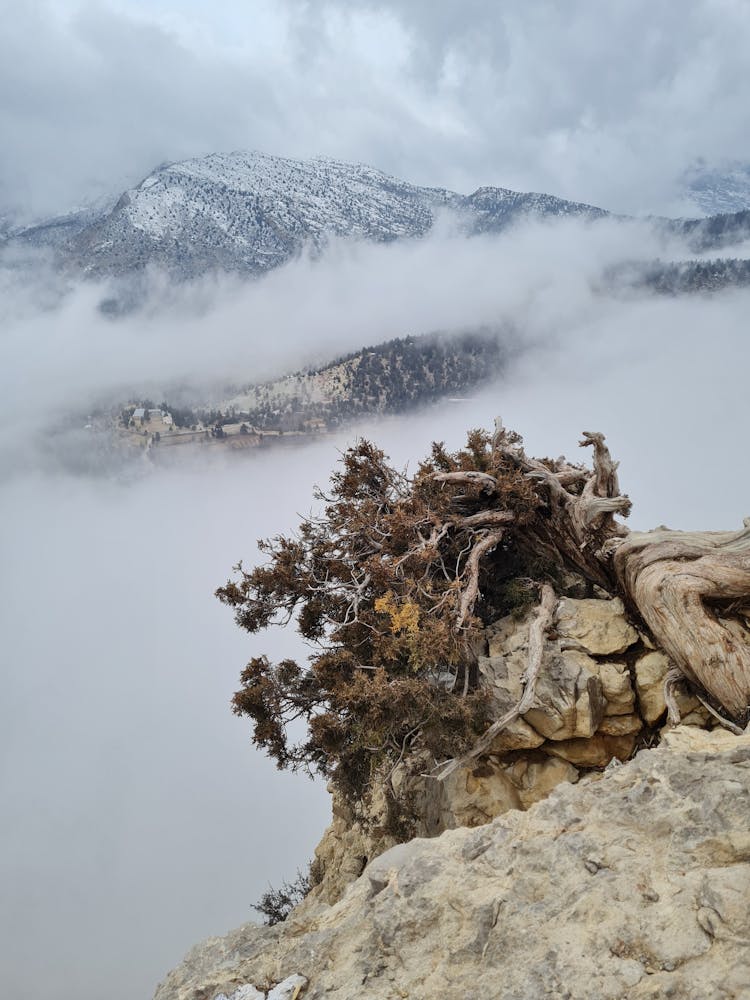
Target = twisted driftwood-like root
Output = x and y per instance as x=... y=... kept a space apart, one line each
x=470 y=592
x=537 y=634
x=688 y=588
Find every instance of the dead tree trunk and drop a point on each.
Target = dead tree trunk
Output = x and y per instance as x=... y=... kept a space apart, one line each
x=689 y=590
x=692 y=589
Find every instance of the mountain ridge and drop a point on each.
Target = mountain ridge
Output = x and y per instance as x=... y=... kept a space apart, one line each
x=250 y=212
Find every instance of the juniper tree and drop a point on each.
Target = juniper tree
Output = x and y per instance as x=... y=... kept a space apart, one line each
x=394 y=579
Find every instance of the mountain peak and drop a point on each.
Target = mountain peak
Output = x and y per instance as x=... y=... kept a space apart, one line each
x=249 y=211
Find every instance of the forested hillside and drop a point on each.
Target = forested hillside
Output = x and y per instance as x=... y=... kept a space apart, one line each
x=388 y=378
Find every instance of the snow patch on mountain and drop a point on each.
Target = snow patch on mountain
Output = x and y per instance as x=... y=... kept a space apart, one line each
x=716 y=191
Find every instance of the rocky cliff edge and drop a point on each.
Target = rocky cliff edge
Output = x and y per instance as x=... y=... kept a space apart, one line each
x=633 y=883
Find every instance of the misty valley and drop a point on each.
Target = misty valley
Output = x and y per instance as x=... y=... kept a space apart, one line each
x=180 y=258
x=184 y=363
x=386 y=379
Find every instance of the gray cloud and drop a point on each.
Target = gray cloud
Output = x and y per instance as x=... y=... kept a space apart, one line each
x=607 y=103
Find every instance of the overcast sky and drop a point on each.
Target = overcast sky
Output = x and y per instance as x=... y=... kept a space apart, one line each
x=602 y=102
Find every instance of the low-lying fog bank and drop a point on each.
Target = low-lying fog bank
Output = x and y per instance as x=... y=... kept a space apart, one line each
x=138 y=817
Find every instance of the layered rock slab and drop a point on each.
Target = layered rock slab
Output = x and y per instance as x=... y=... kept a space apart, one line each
x=631 y=884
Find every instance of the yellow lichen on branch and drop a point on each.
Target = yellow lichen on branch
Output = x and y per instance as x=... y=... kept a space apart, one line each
x=404 y=616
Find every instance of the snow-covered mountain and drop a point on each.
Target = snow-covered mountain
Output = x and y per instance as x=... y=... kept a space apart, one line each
x=250 y=212
x=717 y=191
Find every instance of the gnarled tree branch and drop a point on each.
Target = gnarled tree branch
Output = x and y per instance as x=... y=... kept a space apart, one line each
x=537 y=632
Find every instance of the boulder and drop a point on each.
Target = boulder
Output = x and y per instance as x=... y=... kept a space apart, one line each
x=535 y=779
x=501 y=676
x=616 y=687
x=519 y=735
x=620 y=725
x=474 y=795
x=289 y=989
x=599 y=626
x=650 y=671
x=509 y=634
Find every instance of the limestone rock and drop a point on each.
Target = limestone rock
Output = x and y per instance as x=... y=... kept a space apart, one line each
x=246 y=992
x=471 y=796
x=519 y=735
x=691 y=739
x=535 y=779
x=568 y=700
x=289 y=989
x=650 y=671
x=699 y=716
x=595 y=752
x=620 y=725
x=509 y=634
x=634 y=885
x=475 y=795
x=346 y=847
x=616 y=687
x=599 y=626
x=501 y=676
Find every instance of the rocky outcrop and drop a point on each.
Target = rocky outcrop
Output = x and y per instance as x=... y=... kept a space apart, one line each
x=352 y=840
x=599 y=695
x=631 y=883
x=626 y=881
x=585 y=676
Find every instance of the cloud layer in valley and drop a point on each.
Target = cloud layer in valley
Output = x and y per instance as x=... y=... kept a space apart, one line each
x=140 y=819
x=218 y=331
x=605 y=103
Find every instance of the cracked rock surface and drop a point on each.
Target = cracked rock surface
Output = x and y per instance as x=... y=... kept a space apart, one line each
x=630 y=884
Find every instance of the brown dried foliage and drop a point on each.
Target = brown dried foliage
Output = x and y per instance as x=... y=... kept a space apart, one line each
x=375 y=584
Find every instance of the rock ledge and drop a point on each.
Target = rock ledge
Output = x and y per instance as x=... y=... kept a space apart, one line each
x=632 y=883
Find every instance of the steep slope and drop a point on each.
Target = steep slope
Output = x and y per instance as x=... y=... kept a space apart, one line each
x=491 y=209
x=392 y=377
x=58 y=231
x=633 y=884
